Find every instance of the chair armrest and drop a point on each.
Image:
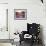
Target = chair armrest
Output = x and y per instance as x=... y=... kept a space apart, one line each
x=24 y=32
x=22 y=35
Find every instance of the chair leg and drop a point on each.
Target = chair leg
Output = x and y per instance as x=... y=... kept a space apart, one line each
x=32 y=42
x=20 y=42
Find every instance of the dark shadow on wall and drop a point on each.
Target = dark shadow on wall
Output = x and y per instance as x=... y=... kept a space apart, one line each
x=41 y=35
x=42 y=1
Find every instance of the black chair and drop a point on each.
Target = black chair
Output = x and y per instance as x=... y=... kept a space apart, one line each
x=32 y=29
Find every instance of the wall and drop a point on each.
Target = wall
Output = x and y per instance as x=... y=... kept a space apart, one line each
x=3 y=1
x=3 y=21
x=35 y=13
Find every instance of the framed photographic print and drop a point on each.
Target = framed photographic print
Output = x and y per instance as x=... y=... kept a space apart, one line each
x=20 y=14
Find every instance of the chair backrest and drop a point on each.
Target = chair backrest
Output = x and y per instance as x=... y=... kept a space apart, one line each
x=33 y=28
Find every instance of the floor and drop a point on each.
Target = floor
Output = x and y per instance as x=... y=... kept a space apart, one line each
x=29 y=44
x=5 y=44
x=23 y=44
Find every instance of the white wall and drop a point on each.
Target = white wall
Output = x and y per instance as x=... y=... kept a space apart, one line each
x=3 y=22
x=35 y=13
x=3 y=1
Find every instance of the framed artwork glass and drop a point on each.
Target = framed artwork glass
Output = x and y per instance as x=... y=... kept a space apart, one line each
x=20 y=14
